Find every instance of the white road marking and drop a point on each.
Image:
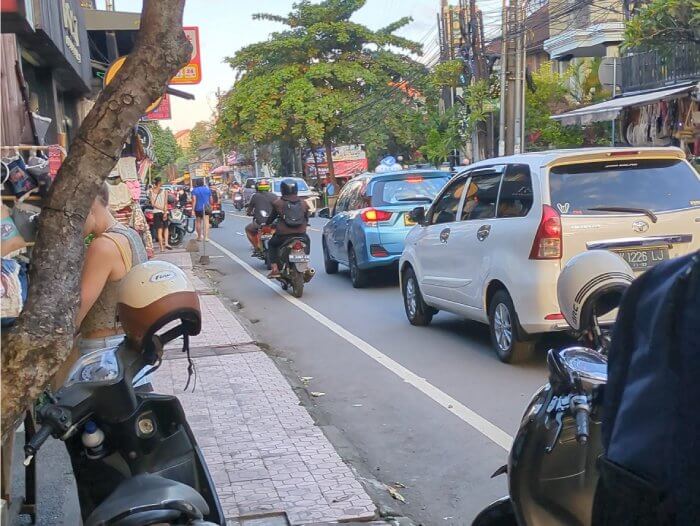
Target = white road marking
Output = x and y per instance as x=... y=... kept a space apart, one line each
x=483 y=426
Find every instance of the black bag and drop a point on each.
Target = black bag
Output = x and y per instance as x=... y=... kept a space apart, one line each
x=651 y=421
x=293 y=213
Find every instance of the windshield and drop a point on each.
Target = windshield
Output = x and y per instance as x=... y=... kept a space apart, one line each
x=409 y=188
x=655 y=185
x=301 y=186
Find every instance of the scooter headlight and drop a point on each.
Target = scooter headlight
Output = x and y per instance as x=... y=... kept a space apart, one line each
x=101 y=366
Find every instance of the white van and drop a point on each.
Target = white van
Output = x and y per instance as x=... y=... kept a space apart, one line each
x=492 y=244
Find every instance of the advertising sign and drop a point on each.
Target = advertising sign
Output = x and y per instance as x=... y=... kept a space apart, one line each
x=161 y=112
x=192 y=72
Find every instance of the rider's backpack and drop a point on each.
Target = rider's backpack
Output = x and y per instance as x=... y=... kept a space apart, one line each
x=293 y=213
x=650 y=473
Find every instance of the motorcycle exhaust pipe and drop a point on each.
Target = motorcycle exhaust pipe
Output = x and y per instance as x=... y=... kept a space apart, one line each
x=309 y=274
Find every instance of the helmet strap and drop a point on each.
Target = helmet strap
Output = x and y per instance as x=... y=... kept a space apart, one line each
x=191 y=371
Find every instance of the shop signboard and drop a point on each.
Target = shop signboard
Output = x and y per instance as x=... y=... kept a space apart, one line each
x=192 y=72
x=161 y=112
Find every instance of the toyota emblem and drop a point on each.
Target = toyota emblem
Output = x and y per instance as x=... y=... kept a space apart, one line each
x=640 y=226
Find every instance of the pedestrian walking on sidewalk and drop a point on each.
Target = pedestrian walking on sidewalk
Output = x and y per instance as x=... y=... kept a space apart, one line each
x=158 y=197
x=201 y=203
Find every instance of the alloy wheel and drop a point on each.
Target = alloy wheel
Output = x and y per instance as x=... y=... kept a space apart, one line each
x=411 y=298
x=503 y=327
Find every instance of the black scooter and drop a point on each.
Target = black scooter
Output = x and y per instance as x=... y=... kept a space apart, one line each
x=295 y=270
x=134 y=456
x=552 y=473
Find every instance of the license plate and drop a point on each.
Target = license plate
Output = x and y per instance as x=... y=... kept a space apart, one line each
x=298 y=258
x=266 y=237
x=643 y=259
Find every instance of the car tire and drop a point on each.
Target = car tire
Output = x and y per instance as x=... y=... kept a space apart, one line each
x=358 y=277
x=418 y=312
x=506 y=335
x=329 y=265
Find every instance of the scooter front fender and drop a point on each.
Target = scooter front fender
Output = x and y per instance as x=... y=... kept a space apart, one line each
x=498 y=513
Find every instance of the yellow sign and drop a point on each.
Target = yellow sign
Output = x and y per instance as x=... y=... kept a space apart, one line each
x=112 y=72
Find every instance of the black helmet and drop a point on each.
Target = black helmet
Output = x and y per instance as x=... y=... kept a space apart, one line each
x=289 y=187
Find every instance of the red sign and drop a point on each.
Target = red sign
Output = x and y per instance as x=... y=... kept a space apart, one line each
x=162 y=111
x=341 y=168
x=192 y=72
x=55 y=160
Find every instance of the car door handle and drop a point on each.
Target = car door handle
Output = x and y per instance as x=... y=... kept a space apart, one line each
x=483 y=232
x=444 y=235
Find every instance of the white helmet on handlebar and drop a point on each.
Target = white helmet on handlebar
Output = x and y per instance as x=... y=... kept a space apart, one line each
x=592 y=283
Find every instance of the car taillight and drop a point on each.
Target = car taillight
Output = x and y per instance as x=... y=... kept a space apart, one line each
x=547 y=243
x=555 y=316
x=372 y=215
x=378 y=251
x=298 y=245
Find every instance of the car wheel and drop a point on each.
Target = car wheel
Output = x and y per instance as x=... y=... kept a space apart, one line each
x=358 y=277
x=417 y=311
x=506 y=337
x=330 y=265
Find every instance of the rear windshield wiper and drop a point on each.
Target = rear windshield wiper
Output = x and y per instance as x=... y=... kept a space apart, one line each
x=651 y=215
x=417 y=198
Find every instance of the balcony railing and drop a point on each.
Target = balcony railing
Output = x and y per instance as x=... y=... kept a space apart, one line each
x=658 y=69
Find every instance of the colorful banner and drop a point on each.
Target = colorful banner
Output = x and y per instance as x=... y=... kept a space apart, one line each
x=342 y=168
x=162 y=111
x=192 y=72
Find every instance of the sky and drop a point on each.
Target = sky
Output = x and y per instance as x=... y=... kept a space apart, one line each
x=227 y=25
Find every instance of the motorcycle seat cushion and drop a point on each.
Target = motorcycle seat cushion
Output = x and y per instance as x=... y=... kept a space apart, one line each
x=148 y=499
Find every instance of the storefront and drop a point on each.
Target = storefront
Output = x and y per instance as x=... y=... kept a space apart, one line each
x=47 y=38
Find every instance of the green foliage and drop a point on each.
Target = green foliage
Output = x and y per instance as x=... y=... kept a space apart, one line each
x=309 y=82
x=480 y=100
x=442 y=136
x=200 y=134
x=446 y=74
x=165 y=146
x=661 y=24
x=551 y=96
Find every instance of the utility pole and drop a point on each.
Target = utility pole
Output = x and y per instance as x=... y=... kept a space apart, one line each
x=513 y=65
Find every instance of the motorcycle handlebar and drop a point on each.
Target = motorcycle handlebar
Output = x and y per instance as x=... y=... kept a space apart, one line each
x=582 y=425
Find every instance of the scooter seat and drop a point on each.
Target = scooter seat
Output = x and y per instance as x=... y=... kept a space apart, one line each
x=148 y=499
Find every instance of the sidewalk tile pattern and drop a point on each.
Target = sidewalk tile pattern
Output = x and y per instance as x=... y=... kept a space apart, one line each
x=219 y=326
x=264 y=451
x=180 y=259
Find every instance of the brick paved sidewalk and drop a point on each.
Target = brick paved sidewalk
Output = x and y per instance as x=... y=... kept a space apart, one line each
x=266 y=455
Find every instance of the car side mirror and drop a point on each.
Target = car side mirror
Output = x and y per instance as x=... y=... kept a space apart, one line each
x=417 y=215
x=324 y=213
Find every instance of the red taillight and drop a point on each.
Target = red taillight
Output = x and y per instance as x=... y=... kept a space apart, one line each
x=414 y=179
x=378 y=251
x=372 y=215
x=298 y=245
x=547 y=243
x=557 y=316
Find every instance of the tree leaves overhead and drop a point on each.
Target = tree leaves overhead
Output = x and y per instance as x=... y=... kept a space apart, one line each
x=662 y=24
x=165 y=146
x=304 y=84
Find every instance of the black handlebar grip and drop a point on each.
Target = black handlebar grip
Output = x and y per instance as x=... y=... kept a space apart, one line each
x=582 y=425
x=37 y=440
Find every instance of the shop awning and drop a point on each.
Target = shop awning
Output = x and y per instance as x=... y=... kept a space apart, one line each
x=610 y=109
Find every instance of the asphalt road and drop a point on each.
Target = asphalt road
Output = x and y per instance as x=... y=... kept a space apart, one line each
x=424 y=407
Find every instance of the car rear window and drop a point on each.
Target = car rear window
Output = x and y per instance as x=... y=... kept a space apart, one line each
x=656 y=185
x=301 y=186
x=408 y=188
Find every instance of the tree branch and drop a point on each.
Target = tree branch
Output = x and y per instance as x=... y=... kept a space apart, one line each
x=40 y=341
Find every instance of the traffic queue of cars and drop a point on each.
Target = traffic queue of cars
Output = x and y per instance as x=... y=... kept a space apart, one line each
x=489 y=243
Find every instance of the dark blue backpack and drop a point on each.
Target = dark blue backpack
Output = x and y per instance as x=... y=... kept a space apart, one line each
x=651 y=409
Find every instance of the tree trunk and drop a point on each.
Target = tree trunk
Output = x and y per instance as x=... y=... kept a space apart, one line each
x=41 y=339
x=329 y=160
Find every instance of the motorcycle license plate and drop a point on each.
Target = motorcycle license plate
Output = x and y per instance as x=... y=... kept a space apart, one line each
x=298 y=258
x=643 y=259
x=266 y=237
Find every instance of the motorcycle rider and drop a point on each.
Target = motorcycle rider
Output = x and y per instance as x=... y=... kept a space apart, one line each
x=260 y=208
x=292 y=216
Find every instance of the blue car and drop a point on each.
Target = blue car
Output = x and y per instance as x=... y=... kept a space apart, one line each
x=370 y=221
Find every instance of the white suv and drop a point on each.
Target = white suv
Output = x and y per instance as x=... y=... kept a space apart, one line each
x=492 y=244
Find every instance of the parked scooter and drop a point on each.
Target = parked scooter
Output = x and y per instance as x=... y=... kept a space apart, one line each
x=552 y=472
x=177 y=227
x=134 y=457
x=294 y=265
x=238 y=202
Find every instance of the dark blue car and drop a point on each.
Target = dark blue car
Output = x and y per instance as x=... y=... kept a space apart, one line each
x=370 y=221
